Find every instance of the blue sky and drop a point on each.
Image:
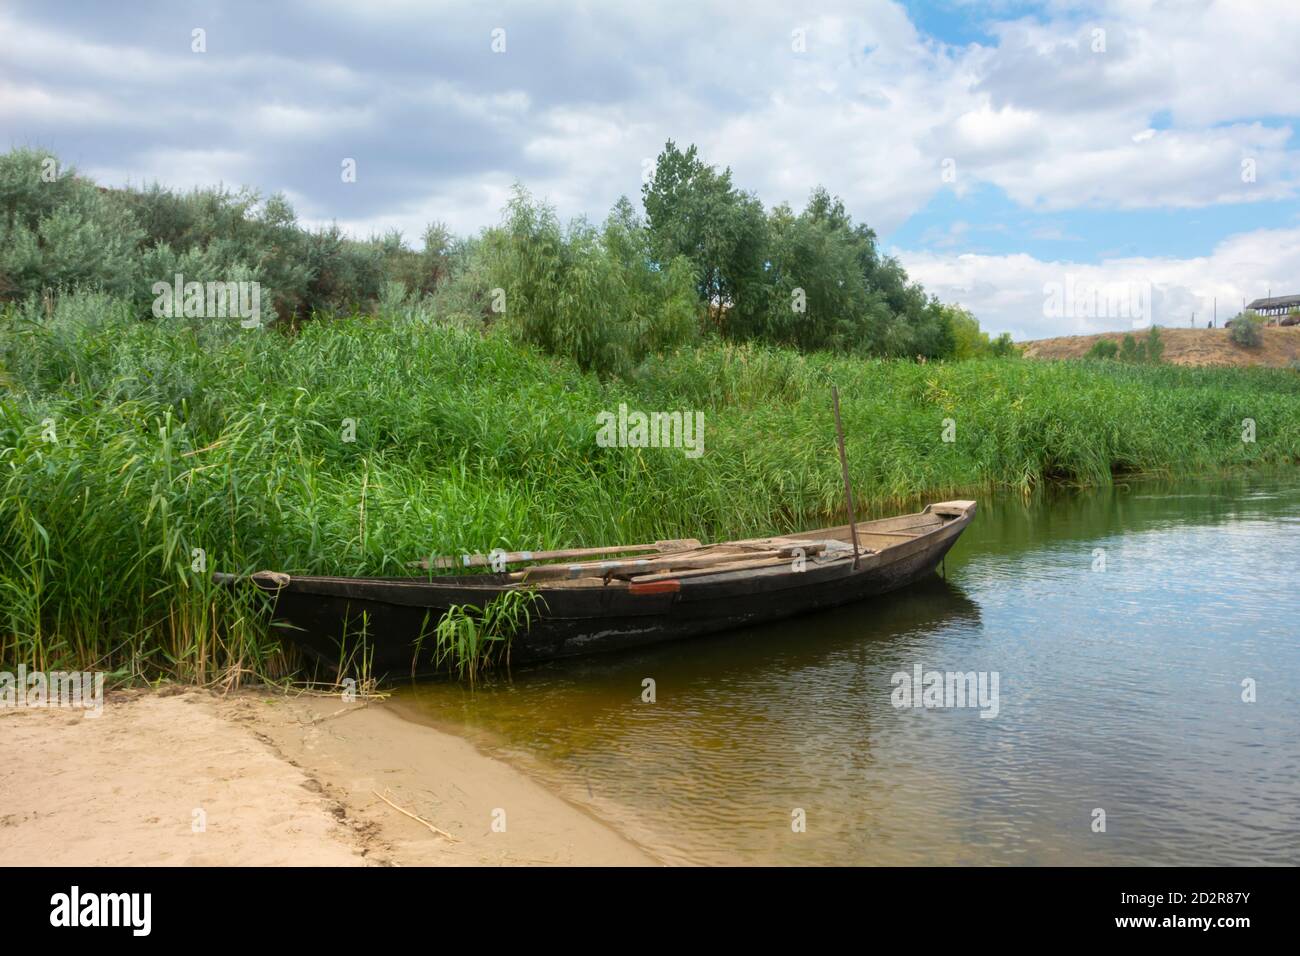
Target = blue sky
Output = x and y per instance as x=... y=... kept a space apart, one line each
x=961 y=23
x=987 y=221
x=999 y=149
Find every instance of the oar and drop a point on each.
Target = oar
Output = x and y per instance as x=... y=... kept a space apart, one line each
x=749 y=564
x=844 y=468
x=554 y=572
x=521 y=557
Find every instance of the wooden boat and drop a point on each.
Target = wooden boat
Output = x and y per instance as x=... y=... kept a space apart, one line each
x=617 y=597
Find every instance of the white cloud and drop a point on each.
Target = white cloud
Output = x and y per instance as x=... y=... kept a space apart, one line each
x=1009 y=293
x=80 y=108
x=1162 y=117
x=275 y=119
x=181 y=168
x=869 y=107
x=464 y=206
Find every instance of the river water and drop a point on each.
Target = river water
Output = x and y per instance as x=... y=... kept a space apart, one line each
x=1124 y=627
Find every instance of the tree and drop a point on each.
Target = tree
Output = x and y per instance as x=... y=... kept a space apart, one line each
x=435 y=259
x=592 y=294
x=968 y=341
x=1155 y=345
x=816 y=295
x=694 y=211
x=1003 y=347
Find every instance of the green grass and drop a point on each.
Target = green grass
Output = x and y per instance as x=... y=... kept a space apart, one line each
x=470 y=639
x=174 y=437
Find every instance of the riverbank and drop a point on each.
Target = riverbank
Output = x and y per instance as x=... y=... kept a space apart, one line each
x=261 y=779
x=168 y=451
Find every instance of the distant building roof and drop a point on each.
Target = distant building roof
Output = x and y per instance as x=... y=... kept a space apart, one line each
x=1277 y=302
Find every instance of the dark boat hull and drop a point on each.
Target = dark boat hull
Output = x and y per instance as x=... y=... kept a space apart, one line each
x=326 y=617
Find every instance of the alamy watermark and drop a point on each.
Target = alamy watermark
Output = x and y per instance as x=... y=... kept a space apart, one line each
x=634 y=429
x=78 y=689
x=74 y=908
x=209 y=300
x=934 y=689
x=1078 y=298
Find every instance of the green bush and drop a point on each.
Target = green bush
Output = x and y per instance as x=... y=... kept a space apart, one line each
x=61 y=233
x=1244 y=332
x=1103 y=349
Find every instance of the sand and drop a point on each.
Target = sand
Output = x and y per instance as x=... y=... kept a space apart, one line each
x=1280 y=346
x=257 y=778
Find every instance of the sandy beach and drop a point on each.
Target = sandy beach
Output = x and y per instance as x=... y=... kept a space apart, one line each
x=187 y=777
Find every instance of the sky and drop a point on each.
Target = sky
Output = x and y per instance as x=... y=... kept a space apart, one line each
x=1058 y=168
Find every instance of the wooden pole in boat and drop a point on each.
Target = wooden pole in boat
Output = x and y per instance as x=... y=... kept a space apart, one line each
x=844 y=468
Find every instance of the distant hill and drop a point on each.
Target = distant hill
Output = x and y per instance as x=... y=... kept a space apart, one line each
x=1280 y=347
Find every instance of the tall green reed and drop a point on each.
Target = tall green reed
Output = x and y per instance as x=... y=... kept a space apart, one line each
x=359 y=445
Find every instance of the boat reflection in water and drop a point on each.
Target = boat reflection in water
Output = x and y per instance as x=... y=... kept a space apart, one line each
x=709 y=746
